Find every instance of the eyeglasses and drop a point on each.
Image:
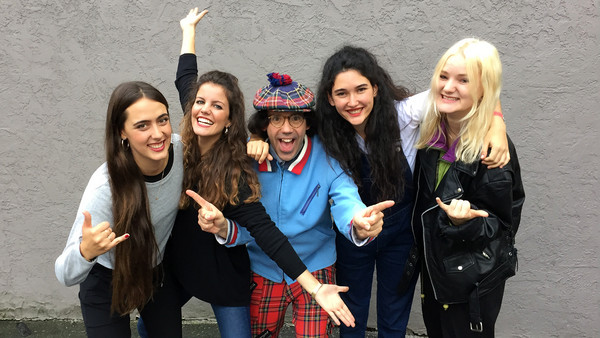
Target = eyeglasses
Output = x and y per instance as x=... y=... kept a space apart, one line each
x=295 y=120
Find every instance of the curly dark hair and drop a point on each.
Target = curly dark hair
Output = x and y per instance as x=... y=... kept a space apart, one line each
x=383 y=142
x=218 y=173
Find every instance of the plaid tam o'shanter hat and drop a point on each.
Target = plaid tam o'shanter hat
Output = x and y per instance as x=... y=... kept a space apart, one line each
x=283 y=94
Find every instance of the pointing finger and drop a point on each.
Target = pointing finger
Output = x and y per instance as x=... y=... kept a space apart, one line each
x=383 y=205
x=201 y=201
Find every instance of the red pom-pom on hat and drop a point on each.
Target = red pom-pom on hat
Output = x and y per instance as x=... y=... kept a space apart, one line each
x=278 y=80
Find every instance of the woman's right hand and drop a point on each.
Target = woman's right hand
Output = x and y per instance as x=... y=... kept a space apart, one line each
x=96 y=240
x=258 y=150
x=459 y=211
x=210 y=219
x=192 y=19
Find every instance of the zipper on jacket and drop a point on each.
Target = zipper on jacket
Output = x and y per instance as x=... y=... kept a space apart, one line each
x=310 y=198
x=424 y=243
x=282 y=172
x=412 y=216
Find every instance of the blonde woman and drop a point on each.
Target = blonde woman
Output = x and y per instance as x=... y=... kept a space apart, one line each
x=466 y=215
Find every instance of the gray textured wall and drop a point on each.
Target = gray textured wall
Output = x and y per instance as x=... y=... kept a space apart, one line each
x=59 y=61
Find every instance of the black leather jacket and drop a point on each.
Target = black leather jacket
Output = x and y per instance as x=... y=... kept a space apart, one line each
x=471 y=259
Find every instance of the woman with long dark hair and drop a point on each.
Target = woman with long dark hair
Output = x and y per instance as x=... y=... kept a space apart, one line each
x=126 y=214
x=370 y=126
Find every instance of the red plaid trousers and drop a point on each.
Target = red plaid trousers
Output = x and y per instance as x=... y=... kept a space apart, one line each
x=270 y=300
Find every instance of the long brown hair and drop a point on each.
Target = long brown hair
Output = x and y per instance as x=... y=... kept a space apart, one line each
x=134 y=258
x=218 y=172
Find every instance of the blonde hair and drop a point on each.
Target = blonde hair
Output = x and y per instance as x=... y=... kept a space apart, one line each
x=484 y=72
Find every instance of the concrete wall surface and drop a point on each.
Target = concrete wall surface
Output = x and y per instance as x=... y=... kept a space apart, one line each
x=60 y=60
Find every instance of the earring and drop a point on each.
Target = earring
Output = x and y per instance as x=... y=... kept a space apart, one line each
x=123 y=140
x=226 y=130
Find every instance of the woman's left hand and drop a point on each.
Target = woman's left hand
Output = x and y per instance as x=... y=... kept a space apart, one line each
x=329 y=299
x=459 y=211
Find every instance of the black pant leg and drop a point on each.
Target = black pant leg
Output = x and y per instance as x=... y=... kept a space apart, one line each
x=95 y=296
x=454 y=320
x=162 y=315
x=430 y=307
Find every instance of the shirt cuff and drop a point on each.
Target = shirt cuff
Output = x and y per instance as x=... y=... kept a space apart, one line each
x=232 y=233
x=355 y=240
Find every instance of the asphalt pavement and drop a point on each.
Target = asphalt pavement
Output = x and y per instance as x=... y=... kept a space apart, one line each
x=68 y=329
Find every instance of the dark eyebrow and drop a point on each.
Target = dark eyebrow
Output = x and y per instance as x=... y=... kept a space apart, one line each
x=362 y=85
x=148 y=121
x=142 y=121
x=216 y=101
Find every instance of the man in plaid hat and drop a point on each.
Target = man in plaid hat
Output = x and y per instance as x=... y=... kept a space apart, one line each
x=298 y=181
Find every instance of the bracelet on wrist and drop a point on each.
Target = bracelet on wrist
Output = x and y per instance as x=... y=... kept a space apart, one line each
x=313 y=293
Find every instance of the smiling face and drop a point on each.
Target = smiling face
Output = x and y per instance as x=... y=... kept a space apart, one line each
x=454 y=93
x=148 y=131
x=286 y=140
x=210 y=114
x=353 y=96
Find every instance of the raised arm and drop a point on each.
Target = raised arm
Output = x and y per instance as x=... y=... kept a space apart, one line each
x=187 y=69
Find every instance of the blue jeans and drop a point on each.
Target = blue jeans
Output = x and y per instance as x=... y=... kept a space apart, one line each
x=233 y=321
x=355 y=265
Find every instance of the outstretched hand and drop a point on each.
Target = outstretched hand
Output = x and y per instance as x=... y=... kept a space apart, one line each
x=329 y=299
x=369 y=222
x=459 y=211
x=210 y=218
x=96 y=240
x=192 y=19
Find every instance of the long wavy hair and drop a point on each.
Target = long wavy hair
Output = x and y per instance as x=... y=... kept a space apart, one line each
x=484 y=71
x=383 y=142
x=135 y=258
x=218 y=173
